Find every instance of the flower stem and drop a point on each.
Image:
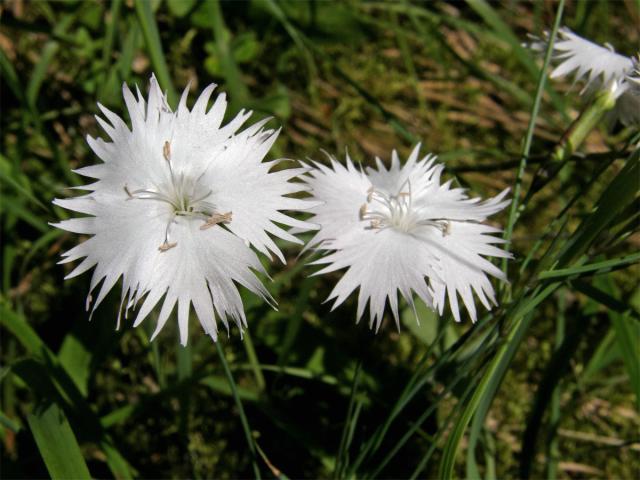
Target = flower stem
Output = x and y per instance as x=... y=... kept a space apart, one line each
x=586 y=122
x=254 y=362
x=514 y=212
x=243 y=417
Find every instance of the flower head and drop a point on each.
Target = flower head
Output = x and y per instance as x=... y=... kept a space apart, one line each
x=634 y=78
x=401 y=229
x=177 y=203
x=599 y=66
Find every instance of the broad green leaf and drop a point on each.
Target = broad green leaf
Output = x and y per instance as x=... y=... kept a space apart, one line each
x=76 y=359
x=57 y=443
x=49 y=380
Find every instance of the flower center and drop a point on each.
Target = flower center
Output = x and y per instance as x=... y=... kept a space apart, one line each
x=382 y=211
x=186 y=196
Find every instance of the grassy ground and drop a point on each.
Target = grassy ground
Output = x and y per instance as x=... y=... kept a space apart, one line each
x=368 y=77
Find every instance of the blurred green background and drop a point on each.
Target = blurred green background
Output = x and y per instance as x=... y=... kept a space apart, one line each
x=323 y=396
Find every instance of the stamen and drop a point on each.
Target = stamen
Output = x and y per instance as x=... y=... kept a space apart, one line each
x=363 y=211
x=370 y=194
x=167 y=246
x=216 y=218
x=383 y=210
x=186 y=197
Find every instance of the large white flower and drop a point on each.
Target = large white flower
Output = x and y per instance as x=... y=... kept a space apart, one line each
x=178 y=201
x=400 y=229
x=599 y=66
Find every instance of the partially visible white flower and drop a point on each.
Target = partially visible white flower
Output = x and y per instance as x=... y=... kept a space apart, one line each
x=177 y=203
x=634 y=78
x=400 y=229
x=599 y=66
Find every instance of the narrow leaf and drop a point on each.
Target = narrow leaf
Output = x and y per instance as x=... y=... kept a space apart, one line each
x=57 y=443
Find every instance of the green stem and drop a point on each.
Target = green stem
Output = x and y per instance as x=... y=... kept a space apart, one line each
x=243 y=417
x=515 y=210
x=586 y=122
x=253 y=361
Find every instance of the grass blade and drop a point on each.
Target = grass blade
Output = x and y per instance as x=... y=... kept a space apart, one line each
x=235 y=85
x=552 y=453
x=343 y=448
x=515 y=209
x=154 y=45
x=57 y=443
x=39 y=73
x=504 y=32
x=558 y=365
x=621 y=191
x=604 y=298
x=627 y=333
x=10 y=76
x=487 y=387
x=243 y=417
x=597 y=268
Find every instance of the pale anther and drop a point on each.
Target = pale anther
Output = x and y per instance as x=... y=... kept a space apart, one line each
x=370 y=194
x=166 y=151
x=363 y=211
x=216 y=218
x=167 y=246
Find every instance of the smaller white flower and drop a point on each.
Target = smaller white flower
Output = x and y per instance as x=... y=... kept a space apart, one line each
x=634 y=78
x=400 y=229
x=599 y=66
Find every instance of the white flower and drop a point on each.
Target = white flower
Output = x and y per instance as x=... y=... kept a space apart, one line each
x=400 y=229
x=634 y=78
x=600 y=66
x=177 y=203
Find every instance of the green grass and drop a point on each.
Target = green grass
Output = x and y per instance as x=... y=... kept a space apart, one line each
x=546 y=385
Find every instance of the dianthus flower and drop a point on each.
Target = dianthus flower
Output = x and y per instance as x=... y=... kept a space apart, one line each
x=400 y=229
x=176 y=206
